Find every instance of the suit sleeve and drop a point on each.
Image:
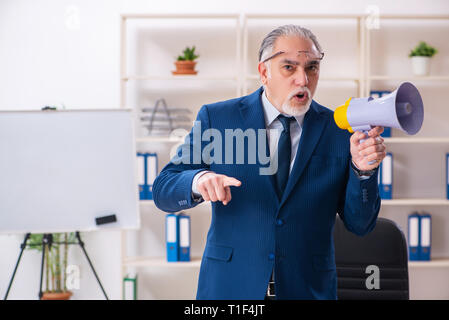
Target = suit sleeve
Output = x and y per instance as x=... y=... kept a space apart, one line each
x=360 y=204
x=172 y=188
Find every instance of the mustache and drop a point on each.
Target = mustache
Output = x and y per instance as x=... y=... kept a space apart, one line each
x=299 y=91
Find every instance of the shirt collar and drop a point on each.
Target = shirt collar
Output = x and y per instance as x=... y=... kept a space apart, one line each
x=271 y=113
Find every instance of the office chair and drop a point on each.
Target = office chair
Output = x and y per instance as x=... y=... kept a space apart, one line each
x=385 y=247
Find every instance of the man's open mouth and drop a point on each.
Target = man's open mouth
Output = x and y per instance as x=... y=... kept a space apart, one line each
x=301 y=96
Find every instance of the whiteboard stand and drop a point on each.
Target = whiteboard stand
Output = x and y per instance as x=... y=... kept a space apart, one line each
x=47 y=241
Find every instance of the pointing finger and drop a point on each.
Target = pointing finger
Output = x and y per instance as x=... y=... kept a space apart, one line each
x=229 y=181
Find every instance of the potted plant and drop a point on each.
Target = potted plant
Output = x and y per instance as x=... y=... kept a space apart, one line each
x=421 y=58
x=185 y=63
x=55 y=264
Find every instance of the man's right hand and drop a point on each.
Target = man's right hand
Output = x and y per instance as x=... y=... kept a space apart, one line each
x=216 y=187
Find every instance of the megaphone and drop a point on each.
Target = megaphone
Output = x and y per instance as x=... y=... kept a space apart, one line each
x=402 y=109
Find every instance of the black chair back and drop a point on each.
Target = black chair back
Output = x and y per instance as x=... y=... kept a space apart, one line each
x=385 y=247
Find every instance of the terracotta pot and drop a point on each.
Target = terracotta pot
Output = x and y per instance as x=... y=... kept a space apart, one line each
x=185 y=67
x=56 y=295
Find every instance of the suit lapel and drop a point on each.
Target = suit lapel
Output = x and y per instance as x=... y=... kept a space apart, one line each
x=313 y=126
x=251 y=111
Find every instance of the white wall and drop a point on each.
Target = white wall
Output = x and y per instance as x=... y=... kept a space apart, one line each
x=67 y=52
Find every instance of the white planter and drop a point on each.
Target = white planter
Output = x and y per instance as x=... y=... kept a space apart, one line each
x=421 y=66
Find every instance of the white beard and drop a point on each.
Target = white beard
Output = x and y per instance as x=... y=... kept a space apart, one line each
x=288 y=109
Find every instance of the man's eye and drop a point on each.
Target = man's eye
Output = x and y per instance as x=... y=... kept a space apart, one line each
x=288 y=67
x=312 y=68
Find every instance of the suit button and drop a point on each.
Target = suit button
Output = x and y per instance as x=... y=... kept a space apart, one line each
x=271 y=256
x=279 y=222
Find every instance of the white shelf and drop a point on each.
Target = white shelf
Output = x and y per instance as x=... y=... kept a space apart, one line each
x=257 y=77
x=417 y=140
x=151 y=203
x=161 y=262
x=150 y=139
x=178 y=16
x=173 y=139
x=415 y=202
x=195 y=262
x=197 y=77
x=434 y=263
x=303 y=16
x=410 y=78
x=385 y=202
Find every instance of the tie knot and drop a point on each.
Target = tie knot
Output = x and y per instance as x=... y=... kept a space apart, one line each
x=285 y=121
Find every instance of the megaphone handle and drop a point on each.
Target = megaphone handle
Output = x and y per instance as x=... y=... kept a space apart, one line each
x=362 y=140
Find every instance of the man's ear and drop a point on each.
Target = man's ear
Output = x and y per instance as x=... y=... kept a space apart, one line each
x=262 y=67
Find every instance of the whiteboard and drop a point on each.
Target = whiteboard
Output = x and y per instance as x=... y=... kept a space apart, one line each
x=59 y=170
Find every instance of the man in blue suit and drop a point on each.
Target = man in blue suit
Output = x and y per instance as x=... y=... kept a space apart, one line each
x=272 y=221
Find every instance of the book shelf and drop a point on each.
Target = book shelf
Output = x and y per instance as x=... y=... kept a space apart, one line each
x=363 y=78
x=417 y=157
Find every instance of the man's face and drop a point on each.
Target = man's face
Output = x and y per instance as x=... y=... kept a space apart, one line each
x=293 y=74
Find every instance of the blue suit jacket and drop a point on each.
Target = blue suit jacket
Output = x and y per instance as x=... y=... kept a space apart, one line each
x=257 y=231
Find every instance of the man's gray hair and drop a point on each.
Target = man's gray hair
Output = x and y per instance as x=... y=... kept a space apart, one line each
x=266 y=48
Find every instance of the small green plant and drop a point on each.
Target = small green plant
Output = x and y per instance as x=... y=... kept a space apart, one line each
x=189 y=54
x=423 y=50
x=55 y=258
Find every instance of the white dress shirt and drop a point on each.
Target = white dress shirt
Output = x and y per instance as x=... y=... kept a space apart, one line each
x=274 y=128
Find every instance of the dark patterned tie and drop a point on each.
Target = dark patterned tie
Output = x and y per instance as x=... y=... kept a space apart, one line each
x=284 y=154
x=284 y=157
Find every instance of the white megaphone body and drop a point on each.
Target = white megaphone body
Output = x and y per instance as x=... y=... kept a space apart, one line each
x=402 y=109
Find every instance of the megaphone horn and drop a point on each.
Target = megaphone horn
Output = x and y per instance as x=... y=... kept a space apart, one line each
x=402 y=109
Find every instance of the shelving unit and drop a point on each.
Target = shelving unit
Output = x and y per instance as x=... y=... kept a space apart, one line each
x=437 y=141
x=125 y=77
x=243 y=75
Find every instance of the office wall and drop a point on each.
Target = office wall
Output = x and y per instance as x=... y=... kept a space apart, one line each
x=67 y=53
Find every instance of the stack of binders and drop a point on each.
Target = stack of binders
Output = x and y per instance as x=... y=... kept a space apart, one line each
x=177 y=233
x=385 y=178
x=146 y=173
x=419 y=236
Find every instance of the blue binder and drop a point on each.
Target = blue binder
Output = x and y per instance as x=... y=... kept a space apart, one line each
x=386 y=177
x=151 y=174
x=184 y=237
x=172 y=237
x=386 y=133
x=377 y=94
x=426 y=236
x=141 y=175
x=414 y=236
x=447 y=176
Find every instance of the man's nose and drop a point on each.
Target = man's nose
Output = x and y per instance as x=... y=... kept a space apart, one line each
x=301 y=77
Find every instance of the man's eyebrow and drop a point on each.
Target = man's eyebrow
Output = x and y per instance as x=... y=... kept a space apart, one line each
x=288 y=61
x=311 y=62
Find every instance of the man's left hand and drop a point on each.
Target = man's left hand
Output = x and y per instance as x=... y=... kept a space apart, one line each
x=372 y=149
